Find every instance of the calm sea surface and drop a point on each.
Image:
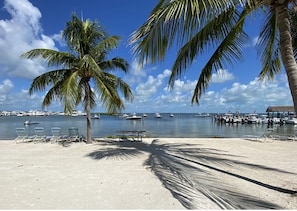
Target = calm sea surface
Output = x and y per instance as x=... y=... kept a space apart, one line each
x=181 y=125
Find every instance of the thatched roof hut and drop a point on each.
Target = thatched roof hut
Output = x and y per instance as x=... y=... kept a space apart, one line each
x=280 y=109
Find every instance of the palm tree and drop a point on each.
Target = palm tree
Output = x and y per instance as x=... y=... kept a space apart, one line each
x=196 y=26
x=85 y=64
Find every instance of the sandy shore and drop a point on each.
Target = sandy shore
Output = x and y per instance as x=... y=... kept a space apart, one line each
x=165 y=173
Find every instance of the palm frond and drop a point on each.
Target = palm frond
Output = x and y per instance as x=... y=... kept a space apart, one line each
x=107 y=90
x=102 y=49
x=172 y=21
x=229 y=50
x=108 y=43
x=115 y=63
x=53 y=57
x=268 y=48
x=71 y=92
x=87 y=66
x=207 y=37
x=254 y=4
x=56 y=78
x=125 y=89
x=41 y=82
x=53 y=94
x=157 y=34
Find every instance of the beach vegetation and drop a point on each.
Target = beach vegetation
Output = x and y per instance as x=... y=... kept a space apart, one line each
x=84 y=73
x=216 y=28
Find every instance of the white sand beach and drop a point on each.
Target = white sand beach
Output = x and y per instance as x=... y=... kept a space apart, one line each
x=165 y=173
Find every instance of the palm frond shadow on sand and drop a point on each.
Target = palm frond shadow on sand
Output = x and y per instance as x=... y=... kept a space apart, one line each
x=192 y=173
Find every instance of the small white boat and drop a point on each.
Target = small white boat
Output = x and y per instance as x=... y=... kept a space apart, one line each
x=252 y=118
x=133 y=117
x=292 y=120
x=263 y=119
x=20 y=114
x=30 y=122
x=158 y=115
x=144 y=115
x=74 y=114
x=171 y=115
x=202 y=115
x=96 y=116
x=124 y=115
x=227 y=117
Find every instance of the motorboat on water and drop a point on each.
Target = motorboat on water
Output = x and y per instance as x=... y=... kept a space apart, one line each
x=96 y=116
x=133 y=117
x=28 y=122
x=252 y=118
x=171 y=115
x=227 y=117
x=263 y=119
x=158 y=115
x=74 y=113
x=124 y=116
x=291 y=120
x=202 y=115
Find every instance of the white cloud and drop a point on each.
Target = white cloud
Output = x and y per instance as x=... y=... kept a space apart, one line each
x=22 y=11
x=222 y=76
x=152 y=86
x=20 y=33
x=23 y=101
x=6 y=86
x=153 y=95
x=59 y=38
x=135 y=75
x=148 y=88
x=13 y=101
x=255 y=95
x=5 y=90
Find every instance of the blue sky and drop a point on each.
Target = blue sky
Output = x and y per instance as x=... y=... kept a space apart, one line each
x=29 y=24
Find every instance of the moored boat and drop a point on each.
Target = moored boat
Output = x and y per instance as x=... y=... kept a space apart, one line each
x=158 y=115
x=96 y=116
x=202 y=115
x=252 y=118
x=263 y=119
x=30 y=122
x=124 y=116
x=291 y=120
x=133 y=117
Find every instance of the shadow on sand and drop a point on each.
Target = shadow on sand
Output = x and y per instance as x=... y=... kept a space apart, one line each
x=191 y=173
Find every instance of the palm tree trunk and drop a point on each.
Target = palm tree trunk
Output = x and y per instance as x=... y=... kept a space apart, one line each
x=88 y=111
x=282 y=15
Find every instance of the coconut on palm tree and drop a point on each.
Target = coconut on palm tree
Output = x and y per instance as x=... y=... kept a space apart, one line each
x=85 y=71
x=197 y=26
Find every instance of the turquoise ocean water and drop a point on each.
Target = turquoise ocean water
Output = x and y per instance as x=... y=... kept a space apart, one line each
x=181 y=125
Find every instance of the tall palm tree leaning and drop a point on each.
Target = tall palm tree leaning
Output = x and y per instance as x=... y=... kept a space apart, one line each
x=86 y=64
x=197 y=26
